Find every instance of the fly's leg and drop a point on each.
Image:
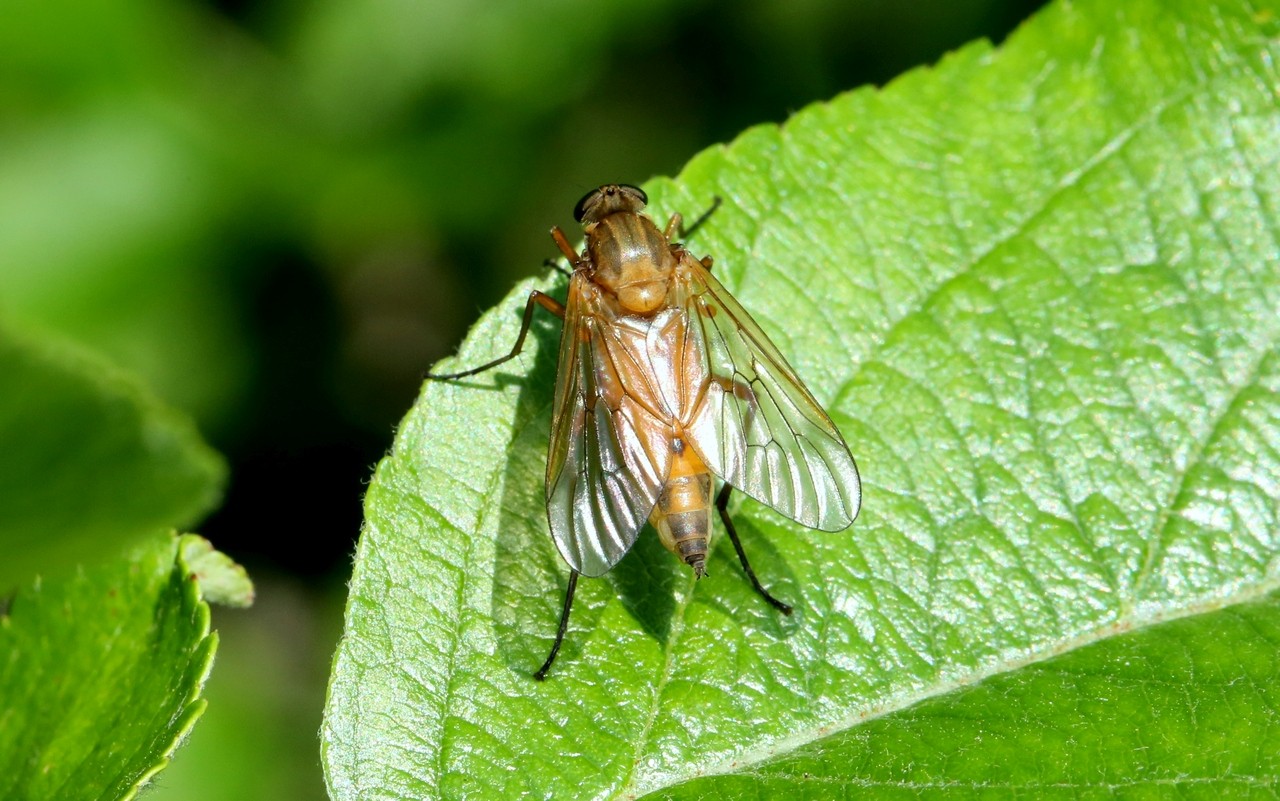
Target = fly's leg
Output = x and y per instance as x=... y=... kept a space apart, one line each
x=541 y=675
x=688 y=232
x=722 y=504
x=555 y=265
x=536 y=299
x=675 y=226
x=562 y=242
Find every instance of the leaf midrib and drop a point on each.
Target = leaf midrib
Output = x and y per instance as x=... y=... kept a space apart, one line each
x=740 y=763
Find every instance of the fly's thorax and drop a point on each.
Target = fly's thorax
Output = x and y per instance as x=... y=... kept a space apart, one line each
x=632 y=260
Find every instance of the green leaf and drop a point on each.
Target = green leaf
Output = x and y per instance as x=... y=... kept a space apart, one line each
x=1037 y=288
x=221 y=580
x=1151 y=714
x=101 y=676
x=91 y=461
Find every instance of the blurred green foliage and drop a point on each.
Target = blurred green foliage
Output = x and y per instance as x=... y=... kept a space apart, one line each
x=163 y=160
x=90 y=460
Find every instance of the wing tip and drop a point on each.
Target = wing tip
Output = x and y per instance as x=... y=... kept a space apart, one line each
x=850 y=503
x=854 y=488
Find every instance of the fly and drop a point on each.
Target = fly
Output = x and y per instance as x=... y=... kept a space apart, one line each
x=665 y=382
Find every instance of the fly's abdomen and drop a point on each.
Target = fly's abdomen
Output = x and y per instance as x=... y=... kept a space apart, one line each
x=682 y=516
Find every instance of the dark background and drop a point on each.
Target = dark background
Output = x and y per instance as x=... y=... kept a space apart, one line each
x=281 y=213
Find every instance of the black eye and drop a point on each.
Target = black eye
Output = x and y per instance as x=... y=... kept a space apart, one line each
x=643 y=197
x=580 y=210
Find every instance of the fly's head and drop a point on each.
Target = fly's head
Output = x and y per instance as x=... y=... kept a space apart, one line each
x=609 y=199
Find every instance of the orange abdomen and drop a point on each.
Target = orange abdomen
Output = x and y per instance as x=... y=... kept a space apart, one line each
x=682 y=515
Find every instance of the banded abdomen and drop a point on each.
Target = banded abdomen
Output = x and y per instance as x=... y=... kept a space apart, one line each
x=682 y=515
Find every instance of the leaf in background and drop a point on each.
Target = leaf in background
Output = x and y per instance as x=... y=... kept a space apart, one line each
x=1038 y=288
x=112 y=213
x=90 y=461
x=101 y=676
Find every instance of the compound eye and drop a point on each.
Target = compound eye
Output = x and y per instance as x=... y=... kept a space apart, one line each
x=580 y=210
x=638 y=192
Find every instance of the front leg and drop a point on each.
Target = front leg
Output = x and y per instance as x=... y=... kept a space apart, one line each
x=562 y=242
x=675 y=226
x=536 y=299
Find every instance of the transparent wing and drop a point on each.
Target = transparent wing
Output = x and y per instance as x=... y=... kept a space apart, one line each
x=753 y=422
x=610 y=447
